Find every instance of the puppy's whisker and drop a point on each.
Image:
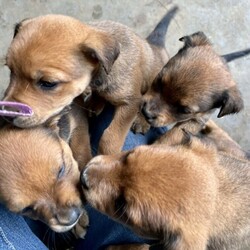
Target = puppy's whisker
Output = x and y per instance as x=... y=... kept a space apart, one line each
x=82 y=107
x=44 y=237
x=123 y=213
x=126 y=222
x=117 y=210
x=50 y=241
x=53 y=236
x=27 y=87
x=67 y=237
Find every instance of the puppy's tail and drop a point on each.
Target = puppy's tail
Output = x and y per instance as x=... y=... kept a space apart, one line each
x=235 y=55
x=157 y=36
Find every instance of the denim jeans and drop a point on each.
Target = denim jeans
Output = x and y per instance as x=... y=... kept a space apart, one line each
x=103 y=231
x=15 y=233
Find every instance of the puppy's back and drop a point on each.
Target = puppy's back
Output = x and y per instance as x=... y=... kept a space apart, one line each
x=230 y=229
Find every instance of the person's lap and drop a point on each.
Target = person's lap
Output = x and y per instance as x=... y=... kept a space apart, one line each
x=102 y=231
x=15 y=233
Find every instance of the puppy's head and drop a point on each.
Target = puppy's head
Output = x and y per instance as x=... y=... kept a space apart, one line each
x=51 y=60
x=194 y=82
x=39 y=177
x=117 y=186
x=140 y=188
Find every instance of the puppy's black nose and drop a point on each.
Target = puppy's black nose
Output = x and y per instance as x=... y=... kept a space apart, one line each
x=68 y=216
x=84 y=179
x=148 y=115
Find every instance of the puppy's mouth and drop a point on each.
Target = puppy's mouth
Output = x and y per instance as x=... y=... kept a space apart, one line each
x=61 y=224
x=62 y=228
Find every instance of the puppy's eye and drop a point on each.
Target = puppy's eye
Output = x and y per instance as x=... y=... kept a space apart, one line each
x=183 y=109
x=61 y=172
x=27 y=210
x=45 y=85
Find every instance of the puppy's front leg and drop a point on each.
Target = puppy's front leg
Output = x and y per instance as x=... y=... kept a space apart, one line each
x=114 y=136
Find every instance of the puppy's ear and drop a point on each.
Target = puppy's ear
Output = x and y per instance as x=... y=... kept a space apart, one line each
x=18 y=27
x=230 y=102
x=101 y=49
x=196 y=39
x=60 y=125
x=187 y=137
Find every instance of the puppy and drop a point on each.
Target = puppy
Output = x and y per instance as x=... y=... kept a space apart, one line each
x=187 y=196
x=53 y=59
x=193 y=83
x=39 y=171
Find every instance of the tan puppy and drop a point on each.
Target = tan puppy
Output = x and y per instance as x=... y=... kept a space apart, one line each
x=54 y=58
x=187 y=196
x=194 y=82
x=38 y=172
x=39 y=177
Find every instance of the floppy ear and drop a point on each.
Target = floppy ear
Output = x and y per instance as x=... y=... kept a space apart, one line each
x=60 y=125
x=231 y=102
x=99 y=48
x=187 y=137
x=196 y=39
x=18 y=26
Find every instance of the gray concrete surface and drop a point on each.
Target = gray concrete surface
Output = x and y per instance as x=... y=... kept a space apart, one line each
x=226 y=23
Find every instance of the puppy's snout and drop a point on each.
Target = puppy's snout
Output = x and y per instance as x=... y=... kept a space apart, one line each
x=84 y=179
x=69 y=216
x=147 y=114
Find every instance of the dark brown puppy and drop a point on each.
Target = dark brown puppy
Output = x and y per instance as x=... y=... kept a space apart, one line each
x=54 y=58
x=39 y=171
x=188 y=196
x=194 y=82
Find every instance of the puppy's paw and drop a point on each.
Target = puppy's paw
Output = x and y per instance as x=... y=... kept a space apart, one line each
x=140 y=125
x=80 y=228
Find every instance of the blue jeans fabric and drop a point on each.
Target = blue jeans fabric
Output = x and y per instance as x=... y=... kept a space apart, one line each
x=15 y=233
x=103 y=231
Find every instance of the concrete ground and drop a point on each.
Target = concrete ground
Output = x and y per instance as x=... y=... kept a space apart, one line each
x=226 y=23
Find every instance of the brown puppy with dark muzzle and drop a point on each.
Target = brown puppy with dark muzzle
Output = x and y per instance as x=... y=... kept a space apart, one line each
x=40 y=170
x=53 y=59
x=188 y=196
x=194 y=82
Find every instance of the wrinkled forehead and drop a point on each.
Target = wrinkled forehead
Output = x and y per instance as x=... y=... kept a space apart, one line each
x=43 y=44
x=56 y=25
x=202 y=56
